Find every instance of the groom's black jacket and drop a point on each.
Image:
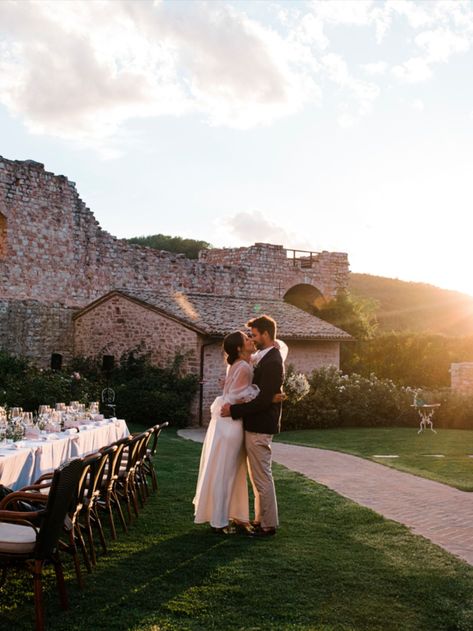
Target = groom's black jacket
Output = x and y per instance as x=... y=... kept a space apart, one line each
x=262 y=415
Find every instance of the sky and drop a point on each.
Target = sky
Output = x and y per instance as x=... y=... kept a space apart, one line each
x=318 y=125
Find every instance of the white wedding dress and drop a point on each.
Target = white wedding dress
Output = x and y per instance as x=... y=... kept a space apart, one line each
x=222 y=490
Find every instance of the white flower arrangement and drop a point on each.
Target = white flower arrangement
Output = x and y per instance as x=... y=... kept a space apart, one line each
x=296 y=386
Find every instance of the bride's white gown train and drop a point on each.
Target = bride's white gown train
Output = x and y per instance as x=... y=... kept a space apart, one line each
x=222 y=490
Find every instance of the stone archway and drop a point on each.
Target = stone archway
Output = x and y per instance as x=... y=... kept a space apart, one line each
x=306 y=297
x=3 y=236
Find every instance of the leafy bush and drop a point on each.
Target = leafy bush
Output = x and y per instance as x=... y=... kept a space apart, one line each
x=148 y=394
x=337 y=400
x=23 y=384
x=409 y=359
x=144 y=393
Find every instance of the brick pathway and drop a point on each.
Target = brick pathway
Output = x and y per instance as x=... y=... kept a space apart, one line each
x=436 y=511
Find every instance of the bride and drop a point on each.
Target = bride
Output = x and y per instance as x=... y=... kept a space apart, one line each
x=222 y=491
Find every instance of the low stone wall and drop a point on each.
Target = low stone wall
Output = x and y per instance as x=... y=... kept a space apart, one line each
x=461 y=375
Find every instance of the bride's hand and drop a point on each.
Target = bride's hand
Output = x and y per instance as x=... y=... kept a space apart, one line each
x=279 y=397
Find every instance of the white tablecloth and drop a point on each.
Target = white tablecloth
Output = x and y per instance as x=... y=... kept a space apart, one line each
x=20 y=467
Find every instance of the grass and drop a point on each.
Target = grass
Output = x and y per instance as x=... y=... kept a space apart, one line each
x=333 y=566
x=416 y=451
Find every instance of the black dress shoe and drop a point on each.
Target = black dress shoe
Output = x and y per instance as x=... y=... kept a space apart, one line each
x=260 y=533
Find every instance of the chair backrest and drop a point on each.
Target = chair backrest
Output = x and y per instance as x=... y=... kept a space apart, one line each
x=115 y=452
x=78 y=498
x=157 y=429
x=110 y=454
x=97 y=462
x=61 y=494
x=135 y=446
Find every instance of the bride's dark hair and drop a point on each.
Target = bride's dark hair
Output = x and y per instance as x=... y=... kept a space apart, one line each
x=231 y=345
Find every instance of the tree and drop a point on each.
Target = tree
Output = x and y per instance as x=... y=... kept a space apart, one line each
x=189 y=247
x=352 y=314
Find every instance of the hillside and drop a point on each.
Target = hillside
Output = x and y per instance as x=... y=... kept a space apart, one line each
x=416 y=307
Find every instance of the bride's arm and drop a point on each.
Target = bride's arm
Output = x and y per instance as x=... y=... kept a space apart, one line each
x=241 y=388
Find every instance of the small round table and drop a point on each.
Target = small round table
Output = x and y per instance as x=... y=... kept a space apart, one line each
x=426 y=412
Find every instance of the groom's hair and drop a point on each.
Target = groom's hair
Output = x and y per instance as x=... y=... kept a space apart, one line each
x=262 y=324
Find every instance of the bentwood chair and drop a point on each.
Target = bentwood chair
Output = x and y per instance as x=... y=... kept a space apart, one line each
x=148 y=464
x=72 y=530
x=108 y=499
x=141 y=482
x=30 y=540
x=89 y=515
x=127 y=479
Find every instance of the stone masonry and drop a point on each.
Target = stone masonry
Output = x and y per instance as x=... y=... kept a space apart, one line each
x=461 y=375
x=56 y=259
x=119 y=325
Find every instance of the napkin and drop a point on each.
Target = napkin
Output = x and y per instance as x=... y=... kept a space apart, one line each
x=50 y=437
x=71 y=430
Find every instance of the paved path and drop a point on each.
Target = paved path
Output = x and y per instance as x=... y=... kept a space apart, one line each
x=436 y=511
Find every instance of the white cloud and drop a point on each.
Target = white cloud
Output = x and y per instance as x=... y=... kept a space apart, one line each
x=418 y=105
x=79 y=69
x=416 y=14
x=254 y=226
x=414 y=70
x=362 y=93
x=440 y=44
x=343 y=11
x=375 y=68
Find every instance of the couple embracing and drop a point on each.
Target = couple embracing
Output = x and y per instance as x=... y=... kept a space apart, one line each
x=238 y=440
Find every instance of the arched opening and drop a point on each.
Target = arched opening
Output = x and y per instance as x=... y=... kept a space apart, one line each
x=306 y=297
x=3 y=236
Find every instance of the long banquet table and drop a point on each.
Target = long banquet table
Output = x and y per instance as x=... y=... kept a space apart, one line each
x=24 y=462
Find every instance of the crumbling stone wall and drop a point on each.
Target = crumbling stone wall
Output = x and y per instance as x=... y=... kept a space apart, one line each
x=55 y=258
x=58 y=252
x=271 y=270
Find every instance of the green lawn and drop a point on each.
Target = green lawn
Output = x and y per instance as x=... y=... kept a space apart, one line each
x=333 y=566
x=417 y=452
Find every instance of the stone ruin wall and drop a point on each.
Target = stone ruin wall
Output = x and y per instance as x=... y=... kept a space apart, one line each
x=55 y=258
x=265 y=262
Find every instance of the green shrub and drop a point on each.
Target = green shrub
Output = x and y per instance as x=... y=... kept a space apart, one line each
x=24 y=385
x=144 y=393
x=148 y=394
x=337 y=400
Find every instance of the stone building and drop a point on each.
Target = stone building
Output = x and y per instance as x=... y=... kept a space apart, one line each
x=64 y=282
x=160 y=323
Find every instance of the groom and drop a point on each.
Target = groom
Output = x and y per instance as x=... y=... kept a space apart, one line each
x=261 y=419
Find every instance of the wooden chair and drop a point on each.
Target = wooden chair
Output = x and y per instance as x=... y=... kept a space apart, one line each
x=108 y=499
x=127 y=483
x=30 y=540
x=148 y=464
x=89 y=516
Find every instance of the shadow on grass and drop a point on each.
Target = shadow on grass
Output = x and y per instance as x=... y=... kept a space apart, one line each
x=332 y=566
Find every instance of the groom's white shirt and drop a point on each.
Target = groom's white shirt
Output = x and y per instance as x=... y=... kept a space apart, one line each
x=258 y=356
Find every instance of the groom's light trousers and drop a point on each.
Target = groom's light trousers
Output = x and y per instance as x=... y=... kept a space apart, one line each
x=258 y=451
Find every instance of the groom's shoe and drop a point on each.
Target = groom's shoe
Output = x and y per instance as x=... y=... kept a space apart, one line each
x=260 y=533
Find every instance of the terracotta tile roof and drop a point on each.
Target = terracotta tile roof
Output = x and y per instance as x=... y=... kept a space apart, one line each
x=219 y=315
